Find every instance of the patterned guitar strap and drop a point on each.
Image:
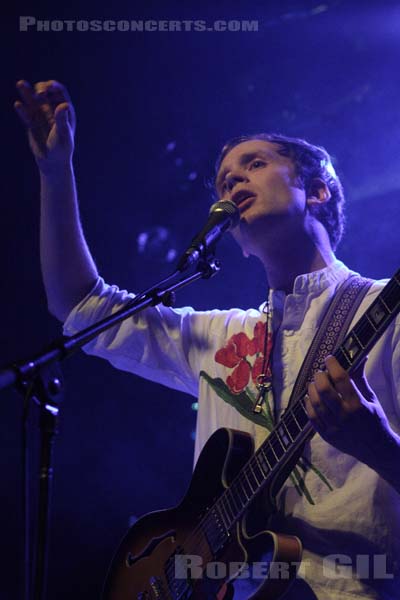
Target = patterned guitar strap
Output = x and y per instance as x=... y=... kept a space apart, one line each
x=331 y=331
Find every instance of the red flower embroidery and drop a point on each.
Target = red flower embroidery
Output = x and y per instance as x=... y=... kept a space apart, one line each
x=239 y=378
x=234 y=356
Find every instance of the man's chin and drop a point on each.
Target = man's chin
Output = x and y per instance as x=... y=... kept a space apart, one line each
x=252 y=222
x=254 y=229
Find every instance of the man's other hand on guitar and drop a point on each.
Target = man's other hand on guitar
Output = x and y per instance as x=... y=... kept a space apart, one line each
x=347 y=414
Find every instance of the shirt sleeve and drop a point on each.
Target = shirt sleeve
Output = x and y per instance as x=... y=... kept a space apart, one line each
x=161 y=344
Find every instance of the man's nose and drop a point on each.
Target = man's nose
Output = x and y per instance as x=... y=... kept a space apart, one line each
x=233 y=178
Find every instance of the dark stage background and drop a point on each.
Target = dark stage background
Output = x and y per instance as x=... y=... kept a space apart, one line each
x=153 y=111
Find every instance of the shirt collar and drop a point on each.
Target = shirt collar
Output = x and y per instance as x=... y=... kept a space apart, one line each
x=310 y=283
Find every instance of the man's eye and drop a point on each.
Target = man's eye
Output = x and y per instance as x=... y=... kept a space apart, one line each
x=256 y=164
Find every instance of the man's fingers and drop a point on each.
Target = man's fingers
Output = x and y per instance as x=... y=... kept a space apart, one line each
x=34 y=113
x=52 y=92
x=321 y=412
x=49 y=116
x=61 y=118
x=312 y=413
x=346 y=385
x=22 y=113
x=26 y=92
x=315 y=410
x=324 y=391
x=51 y=85
x=339 y=377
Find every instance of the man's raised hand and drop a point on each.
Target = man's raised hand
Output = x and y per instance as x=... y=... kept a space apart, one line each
x=47 y=112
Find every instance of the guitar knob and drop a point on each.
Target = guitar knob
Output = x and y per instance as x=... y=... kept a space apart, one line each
x=157 y=587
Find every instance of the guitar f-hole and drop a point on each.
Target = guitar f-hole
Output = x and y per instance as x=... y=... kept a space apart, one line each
x=131 y=559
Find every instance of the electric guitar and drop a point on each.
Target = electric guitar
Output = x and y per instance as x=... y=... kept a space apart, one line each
x=203 y=549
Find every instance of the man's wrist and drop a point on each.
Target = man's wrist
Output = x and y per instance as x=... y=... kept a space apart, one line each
x=56 y=173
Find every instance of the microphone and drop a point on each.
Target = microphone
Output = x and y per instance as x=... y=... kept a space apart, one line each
x=223 y=215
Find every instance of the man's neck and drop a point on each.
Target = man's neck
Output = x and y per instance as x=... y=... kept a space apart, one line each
x=295 y=256
x=281 y=275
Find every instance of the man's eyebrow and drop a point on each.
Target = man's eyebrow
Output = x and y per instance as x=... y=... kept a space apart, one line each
x=244 y=160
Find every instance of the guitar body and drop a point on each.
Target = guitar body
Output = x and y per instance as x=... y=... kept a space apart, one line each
x=171 y=555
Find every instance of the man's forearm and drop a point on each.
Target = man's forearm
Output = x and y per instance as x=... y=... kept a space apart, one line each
x=68 y=268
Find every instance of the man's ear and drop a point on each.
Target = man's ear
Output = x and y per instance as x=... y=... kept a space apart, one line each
x=318 y=193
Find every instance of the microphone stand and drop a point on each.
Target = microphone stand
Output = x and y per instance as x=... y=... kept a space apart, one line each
x=39 y=378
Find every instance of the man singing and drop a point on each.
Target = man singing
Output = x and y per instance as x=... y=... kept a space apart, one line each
x=343 y=499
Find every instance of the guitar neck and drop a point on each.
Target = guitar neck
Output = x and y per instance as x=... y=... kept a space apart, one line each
x=277 y=452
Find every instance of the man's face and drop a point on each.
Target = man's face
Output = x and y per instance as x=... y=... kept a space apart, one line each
x=265 y=187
